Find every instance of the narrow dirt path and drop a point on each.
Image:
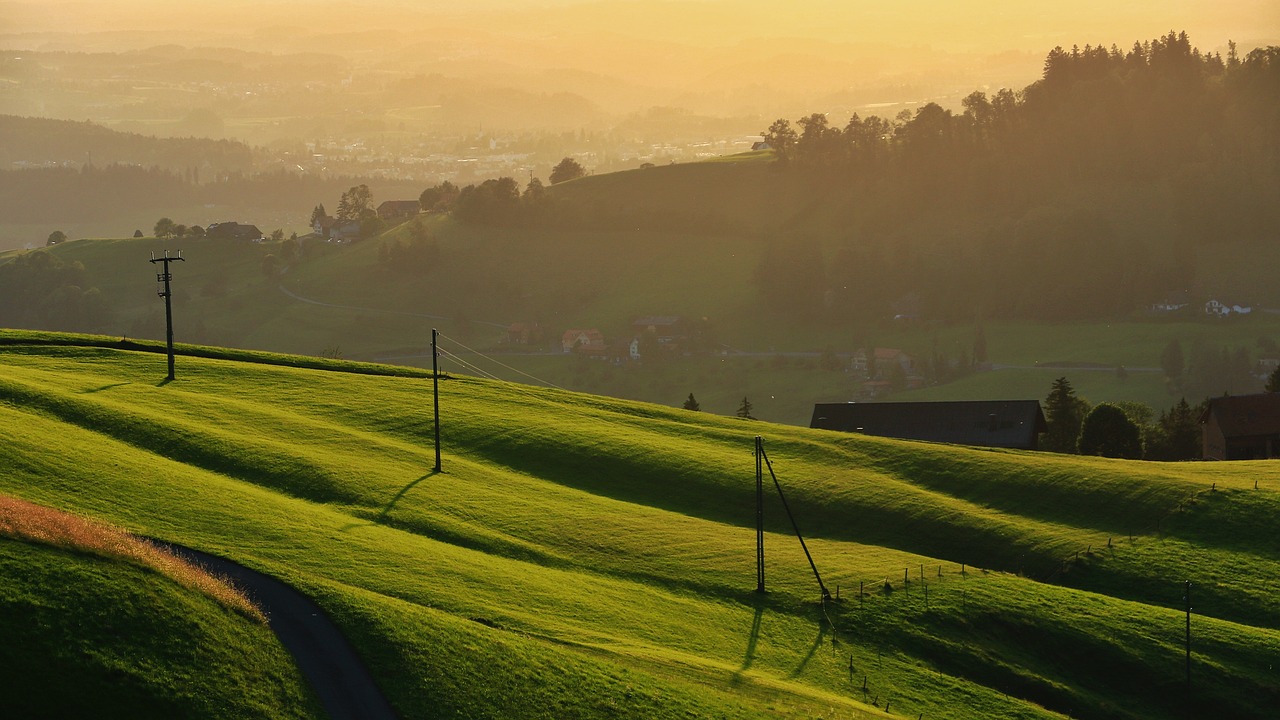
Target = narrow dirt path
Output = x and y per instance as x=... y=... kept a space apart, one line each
x=336 y=674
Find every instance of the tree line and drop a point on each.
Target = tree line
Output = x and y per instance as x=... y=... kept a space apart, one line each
x=1082 y=196
x=58 y=195
x=39 y=290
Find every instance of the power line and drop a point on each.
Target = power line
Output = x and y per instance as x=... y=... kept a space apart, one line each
x=502 y=364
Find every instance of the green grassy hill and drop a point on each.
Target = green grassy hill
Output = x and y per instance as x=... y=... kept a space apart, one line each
x=587 y=557
x=99 y=624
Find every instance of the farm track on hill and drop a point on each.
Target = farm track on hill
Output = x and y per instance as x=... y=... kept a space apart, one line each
x=336 y=674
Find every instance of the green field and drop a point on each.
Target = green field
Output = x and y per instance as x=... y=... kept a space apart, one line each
x=589 y=557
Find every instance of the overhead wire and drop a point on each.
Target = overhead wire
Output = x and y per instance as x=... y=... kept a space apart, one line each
x=500 y=363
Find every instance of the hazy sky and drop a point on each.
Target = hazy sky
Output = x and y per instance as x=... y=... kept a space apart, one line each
x=722 y=58
x=948 y=24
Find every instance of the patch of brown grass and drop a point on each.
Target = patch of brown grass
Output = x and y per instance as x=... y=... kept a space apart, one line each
x=22 y=520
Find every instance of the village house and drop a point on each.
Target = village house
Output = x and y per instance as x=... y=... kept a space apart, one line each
x=884 y=358
x=586 y=341
x=984 y=423
x=233 y=231
x=392 y=210
x=344 y=231
x=524 y=333
x=322 y=225
x=1172 y=302
x=1243 y=427
x=667 y=329
x=1219 y=308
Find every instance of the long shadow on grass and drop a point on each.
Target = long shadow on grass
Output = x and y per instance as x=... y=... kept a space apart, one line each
x=813 y=650
x=104 y=387
x=386 y=510
x=752 y=639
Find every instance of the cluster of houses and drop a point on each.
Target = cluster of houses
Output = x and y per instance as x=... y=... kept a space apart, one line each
x=886 y=370
x=1216 y=307
x=347 y=231
x=667 y=331
x=1243 y=427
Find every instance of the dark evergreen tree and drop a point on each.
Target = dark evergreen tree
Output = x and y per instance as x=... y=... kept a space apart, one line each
x=691 y=403
x=744 y=410
x=1273 y=382
x=1064 y=413
x=1182 y=434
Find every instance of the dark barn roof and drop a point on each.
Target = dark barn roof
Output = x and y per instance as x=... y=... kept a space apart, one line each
x=985 y=423
x=1243 y=427
x=1246 y=415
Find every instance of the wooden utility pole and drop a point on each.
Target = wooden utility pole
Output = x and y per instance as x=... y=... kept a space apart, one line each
x=759 y=515
x=435 y=392
x=163 y=279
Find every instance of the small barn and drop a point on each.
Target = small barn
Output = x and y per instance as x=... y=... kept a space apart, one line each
x=393 y=210
x=984 y=423
x=233 y=231
x=1244 y=427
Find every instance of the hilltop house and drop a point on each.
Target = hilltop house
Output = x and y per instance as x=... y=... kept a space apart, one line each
x=985 y=423
x=393 y=210
x=344 y=231
x=322 y=225
x=1244 y=427
x=233 y=231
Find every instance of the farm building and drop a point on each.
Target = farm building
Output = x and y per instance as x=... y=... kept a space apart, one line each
x=985 y=423
x=392 y=210
x=1244 y=427
x=233 y=231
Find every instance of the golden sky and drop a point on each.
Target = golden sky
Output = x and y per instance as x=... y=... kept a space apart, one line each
x=989 y=25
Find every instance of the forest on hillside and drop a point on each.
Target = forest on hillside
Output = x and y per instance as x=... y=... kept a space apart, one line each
x=1089 y=194
x=1085 y=195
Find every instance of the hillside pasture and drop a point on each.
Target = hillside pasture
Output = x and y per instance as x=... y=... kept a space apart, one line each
x=588 y=557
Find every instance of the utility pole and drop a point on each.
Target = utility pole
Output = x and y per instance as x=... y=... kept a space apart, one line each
x=435 y=392
x=162 y=279
x=768 y=465
x=759 y=515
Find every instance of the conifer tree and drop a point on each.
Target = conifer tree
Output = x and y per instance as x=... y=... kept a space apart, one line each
x=1063 y=412
x=692 y=404
x=744 y=410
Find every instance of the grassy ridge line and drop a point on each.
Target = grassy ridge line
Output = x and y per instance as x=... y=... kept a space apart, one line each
x=55 y=339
